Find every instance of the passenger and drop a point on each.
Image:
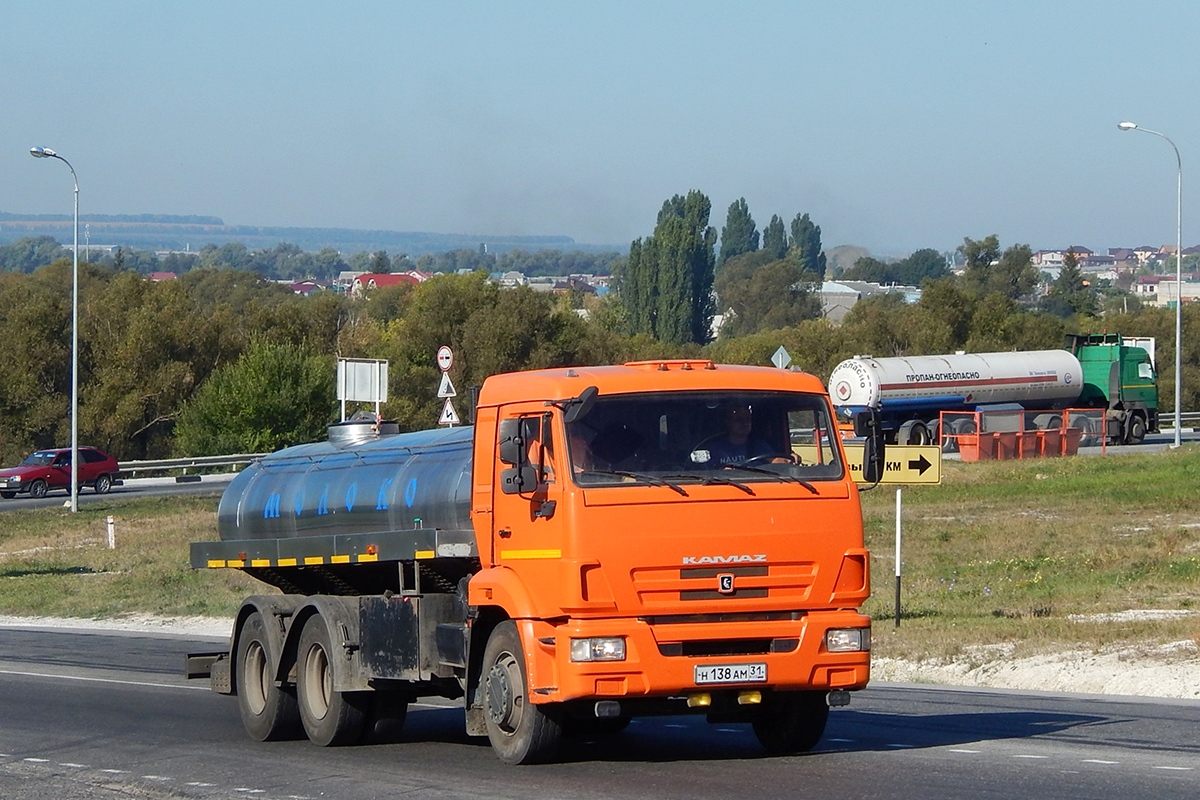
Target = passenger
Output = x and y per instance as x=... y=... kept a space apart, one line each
x=737 y=445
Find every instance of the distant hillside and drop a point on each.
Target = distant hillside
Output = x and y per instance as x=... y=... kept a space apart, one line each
x=168 y=232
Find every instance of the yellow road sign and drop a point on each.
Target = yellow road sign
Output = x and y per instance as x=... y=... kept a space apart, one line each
x=903 y=464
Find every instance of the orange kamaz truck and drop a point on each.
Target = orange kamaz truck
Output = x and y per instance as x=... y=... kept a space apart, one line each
x=586 y=553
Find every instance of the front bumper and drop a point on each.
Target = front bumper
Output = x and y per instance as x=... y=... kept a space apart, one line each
x=662 y=656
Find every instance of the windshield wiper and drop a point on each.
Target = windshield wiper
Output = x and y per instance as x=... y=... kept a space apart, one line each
x=780 y=475
x=712 y=480
x=640 y=477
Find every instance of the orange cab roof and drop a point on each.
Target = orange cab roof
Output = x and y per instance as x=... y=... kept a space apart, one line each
x=641 y=376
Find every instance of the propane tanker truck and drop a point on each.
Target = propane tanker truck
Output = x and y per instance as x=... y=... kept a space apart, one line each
x=576 y=558
x=1093 y=371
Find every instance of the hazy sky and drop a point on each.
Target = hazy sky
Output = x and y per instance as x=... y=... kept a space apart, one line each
x=895 y=125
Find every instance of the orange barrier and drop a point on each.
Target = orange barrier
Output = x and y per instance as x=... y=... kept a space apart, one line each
x=1051 y=439
x=1070 y=441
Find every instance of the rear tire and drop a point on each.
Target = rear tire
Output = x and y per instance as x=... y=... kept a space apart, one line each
x=520 y=732
x=269 y=713
x=330 y=717
x=102 y=484
x=791 y=722
x=38 y=488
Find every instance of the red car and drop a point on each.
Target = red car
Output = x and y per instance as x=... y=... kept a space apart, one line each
x=51 y=469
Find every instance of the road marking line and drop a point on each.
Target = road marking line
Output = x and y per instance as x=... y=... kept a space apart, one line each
x=1098 y=761
x=23 y=674
x=1024 y=755
x=1177 y=769
x=36 y=760
x=961 y=750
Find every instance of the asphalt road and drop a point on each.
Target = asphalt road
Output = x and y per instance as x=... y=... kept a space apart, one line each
x=108 y=715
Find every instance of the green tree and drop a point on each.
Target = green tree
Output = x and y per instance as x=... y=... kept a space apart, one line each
x=739 y=234
x=1070 y=293
x=806 y=246
x=775 y=239
x=987 y=270
x=761 y=293
x=272 y=397
x=381 y=263
x=666 y=283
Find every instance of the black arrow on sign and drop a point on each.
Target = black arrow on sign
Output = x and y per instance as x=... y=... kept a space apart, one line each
x=920 y=465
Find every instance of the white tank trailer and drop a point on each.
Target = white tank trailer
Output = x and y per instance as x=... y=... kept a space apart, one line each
x=911 y=391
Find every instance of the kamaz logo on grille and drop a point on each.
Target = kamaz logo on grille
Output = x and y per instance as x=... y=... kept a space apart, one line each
x=691 y=560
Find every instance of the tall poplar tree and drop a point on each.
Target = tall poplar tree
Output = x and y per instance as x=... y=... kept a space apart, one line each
x=666 y=284
x=740 y=235
x=806 y=242
x=775 y=239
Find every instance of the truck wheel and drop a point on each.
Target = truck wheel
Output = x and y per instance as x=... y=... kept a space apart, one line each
x=269 y=712
x=330 y=717
x=38 y=488
x=913 y=432
x=520 y=732
x=791 y=722
x=1137 y=430
x=102 y=484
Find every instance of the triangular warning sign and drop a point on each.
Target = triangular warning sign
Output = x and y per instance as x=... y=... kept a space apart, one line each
x=449 y=415
x=446 y=389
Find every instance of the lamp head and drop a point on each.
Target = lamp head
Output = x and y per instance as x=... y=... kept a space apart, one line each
x=1127 y=126
x=42 y=152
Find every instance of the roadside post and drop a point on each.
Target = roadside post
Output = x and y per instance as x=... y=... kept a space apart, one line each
x=904 y=465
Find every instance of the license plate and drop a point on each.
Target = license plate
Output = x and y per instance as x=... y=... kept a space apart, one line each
x=730 y=673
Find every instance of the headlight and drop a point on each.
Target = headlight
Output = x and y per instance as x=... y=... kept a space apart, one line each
x=598 y=649
x=848 y=640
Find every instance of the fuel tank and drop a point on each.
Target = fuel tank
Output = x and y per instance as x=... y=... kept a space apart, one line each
x=358 y=481
x=1033 y=378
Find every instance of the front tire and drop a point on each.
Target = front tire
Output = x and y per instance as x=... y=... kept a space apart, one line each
x=791 y=722
x=269 y=712
x=520 y=732
x=1137 y=430
x=8 y=495
x=38 y=488
x=330 y=717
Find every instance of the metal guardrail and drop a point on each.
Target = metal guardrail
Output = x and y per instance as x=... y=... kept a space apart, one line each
x=186 y=466
x=1188 y=419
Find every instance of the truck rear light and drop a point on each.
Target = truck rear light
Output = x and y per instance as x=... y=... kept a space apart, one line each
x=848 y=640
x=598 y=649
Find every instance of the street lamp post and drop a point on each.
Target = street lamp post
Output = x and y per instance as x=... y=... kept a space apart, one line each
x=1132 y=126
x=45 y=152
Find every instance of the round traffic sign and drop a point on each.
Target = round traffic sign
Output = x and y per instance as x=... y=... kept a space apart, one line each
x=445 y=358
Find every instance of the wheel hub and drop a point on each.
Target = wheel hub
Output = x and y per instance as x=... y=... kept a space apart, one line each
x=499 y=696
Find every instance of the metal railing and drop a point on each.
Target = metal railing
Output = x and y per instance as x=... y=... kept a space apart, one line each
x=1187 y=419
x=186 y=466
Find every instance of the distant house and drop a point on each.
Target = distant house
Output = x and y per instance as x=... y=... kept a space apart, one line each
x=377 y=280
x=304 y=288
x=838 y=297
x=161 y=276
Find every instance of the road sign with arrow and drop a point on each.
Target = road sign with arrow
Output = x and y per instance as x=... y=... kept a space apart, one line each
x=903 y=464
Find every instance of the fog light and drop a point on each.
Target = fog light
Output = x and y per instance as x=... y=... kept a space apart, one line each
x=598 y=649
x=848 y=640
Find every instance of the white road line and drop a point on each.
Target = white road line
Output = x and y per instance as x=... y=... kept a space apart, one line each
x=1177 y=769
x=961 y=750
x=1098 y=761
x=103 y=680
x=1026 y=755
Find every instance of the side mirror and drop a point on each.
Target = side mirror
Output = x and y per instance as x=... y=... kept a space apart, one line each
x=580 y=406
x=868 y=425
x=512 y=444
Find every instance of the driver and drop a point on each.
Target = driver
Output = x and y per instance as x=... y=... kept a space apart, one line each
x=737 y=445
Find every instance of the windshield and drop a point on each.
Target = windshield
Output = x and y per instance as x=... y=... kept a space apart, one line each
x=705 y=437
x=41 y=458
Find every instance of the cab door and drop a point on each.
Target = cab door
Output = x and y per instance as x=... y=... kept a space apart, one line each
x=527 y=528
